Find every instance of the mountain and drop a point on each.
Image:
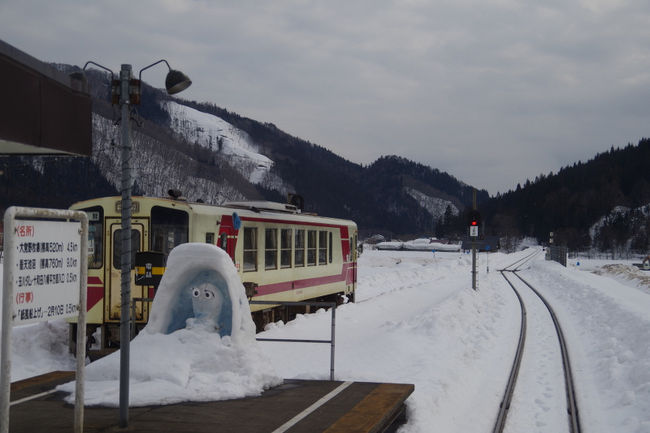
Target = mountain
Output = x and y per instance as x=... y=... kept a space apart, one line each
x=215 y=155
x=602 y=204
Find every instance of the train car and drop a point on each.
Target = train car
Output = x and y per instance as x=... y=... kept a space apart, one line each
x=280 y=253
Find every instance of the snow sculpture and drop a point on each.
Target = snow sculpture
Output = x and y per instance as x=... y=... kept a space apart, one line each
x=201 y=287
x=199 y=344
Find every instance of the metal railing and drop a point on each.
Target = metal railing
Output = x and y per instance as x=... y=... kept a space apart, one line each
x=331 y=341
x=611 y=254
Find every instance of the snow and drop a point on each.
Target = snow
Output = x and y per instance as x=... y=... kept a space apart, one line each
x=417 y=320
x=216 y=134
x=156 y=171
x=201 y=285
x=390 y=245
x=434 y=205
x=425 y=244
x=200 y=309
x=191 y=364
x=422 y=244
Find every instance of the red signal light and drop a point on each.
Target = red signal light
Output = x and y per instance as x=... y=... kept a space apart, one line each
x=474 y=223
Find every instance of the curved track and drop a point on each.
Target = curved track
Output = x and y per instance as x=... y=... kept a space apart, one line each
x=572 y=408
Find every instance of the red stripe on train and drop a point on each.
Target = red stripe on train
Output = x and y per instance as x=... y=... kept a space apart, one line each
x=345 y=275
x=95 y=292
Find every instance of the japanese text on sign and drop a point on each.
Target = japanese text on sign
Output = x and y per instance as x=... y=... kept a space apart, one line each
x=46 y=270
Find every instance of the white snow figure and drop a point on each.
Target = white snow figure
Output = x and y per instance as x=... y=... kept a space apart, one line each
x=206 y=303
x=201 y=287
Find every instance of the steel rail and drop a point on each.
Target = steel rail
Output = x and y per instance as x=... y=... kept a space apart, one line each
x=514 y=372
x=513 y=267
x=572 y=405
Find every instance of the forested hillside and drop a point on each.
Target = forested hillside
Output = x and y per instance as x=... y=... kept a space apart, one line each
x=602 y=203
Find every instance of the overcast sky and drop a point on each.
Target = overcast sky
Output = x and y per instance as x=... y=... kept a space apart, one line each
x=493 y=92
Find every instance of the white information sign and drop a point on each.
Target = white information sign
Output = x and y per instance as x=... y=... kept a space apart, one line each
x=46 y=269
x=473 y=231
x=44 y=277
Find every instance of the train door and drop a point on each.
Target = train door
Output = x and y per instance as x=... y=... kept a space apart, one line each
x=139 y=238
x=228 y=230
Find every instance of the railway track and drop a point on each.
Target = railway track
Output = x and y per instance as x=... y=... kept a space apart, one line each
x=530 y=297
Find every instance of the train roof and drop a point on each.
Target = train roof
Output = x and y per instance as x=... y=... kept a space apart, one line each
x=246 y=209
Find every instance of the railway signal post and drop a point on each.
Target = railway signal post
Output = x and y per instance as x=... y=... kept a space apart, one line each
x=474 y=223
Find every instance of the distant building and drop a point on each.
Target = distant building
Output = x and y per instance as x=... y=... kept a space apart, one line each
x=43 y=110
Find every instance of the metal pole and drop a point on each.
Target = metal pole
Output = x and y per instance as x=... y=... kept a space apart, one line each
x=474 y=245
x=473 y=265
x=125 y=334
x=332 y=342
x=81 y=327
x=7 y=319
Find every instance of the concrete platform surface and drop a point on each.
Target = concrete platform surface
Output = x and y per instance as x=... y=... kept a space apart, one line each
x=297 y=406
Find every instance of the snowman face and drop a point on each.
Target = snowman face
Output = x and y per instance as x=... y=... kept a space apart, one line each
x=206 y=302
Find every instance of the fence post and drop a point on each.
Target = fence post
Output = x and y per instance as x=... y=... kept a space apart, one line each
x=332 y=343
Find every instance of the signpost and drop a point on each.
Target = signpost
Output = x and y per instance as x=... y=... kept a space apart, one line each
x=45 y=275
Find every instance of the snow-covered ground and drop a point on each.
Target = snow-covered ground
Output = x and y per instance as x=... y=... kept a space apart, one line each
x=417 y=320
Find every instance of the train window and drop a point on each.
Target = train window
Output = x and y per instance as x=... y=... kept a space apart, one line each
x=329 y=246
x=169 y=227
x=271 y=249
x=322 y=247
x=285 y=248
x=209 y=238
x=95 y=237
x=117 y=247
x=250 y=249
x=311 y=247
x=299 y=253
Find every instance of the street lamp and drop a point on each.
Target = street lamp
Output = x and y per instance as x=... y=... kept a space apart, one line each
x=125 y=92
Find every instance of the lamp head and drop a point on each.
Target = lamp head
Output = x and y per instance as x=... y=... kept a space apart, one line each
x=176 y=82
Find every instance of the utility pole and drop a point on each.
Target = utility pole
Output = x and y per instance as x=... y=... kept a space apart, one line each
x=127 y=182
x=126 y=93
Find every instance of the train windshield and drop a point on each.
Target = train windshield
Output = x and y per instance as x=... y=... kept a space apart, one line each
x=169 y=227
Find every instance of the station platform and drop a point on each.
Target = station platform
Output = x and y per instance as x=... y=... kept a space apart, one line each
x=296 y=406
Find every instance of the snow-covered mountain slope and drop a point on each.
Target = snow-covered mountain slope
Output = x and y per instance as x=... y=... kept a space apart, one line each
x=220 y=136
x=434 y=205
x=157 y=166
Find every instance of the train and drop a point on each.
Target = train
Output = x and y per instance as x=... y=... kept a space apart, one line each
x=280 y=252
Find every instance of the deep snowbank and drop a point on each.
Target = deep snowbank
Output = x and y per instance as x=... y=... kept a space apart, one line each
x=199 y=344
x=187 y=365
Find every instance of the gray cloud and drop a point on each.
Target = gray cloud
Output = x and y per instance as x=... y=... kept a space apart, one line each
x=493 y=92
